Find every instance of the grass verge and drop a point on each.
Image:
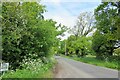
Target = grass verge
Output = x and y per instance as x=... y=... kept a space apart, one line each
x=43 y=71
x=94 y=61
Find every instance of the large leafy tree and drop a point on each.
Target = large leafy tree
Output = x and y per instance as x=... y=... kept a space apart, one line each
x=78 y=42
x=79 y=47
x=107 y=22
x=83 y=46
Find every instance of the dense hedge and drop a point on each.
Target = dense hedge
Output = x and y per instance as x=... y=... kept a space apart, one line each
x=25 y=33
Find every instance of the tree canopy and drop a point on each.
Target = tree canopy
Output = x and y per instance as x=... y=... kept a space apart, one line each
x=107 y=34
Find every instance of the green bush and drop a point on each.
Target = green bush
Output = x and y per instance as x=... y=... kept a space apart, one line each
x=25 y=33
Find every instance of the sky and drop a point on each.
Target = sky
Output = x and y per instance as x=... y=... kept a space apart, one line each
x=67 y=11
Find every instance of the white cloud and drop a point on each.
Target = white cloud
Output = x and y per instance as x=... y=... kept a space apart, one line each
x=71 y=0
x=66 y=20
x=61 y=15
x=66 y=14
x=55 y=2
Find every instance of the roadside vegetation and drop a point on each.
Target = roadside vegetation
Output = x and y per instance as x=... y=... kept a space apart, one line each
x=95 y=35
x=34 y=69
x=29 y=41
x=92 y=60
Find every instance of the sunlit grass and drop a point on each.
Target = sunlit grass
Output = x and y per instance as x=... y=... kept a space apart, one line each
x=92 y=60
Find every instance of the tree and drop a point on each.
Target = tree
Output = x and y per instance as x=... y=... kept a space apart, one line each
x=107 y=22
x=84 y=25
x=79 y=47
x=98 y=44
x=70 y=47
x=83 y=46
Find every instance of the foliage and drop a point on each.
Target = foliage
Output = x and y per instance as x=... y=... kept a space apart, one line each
x=38 y=71
x=78 y=43
x=84 y=45
x=59 y=45
x=61 y=48
x=80 y=47
x=98 y=44
x=33 y=68
x=106 y=35
x=25 y=32
x=117 y=52
x=61 y=29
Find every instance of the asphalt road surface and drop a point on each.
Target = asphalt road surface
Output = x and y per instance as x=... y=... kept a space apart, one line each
x=68 y=68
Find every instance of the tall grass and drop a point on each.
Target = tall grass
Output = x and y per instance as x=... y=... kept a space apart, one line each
x=35 y=70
